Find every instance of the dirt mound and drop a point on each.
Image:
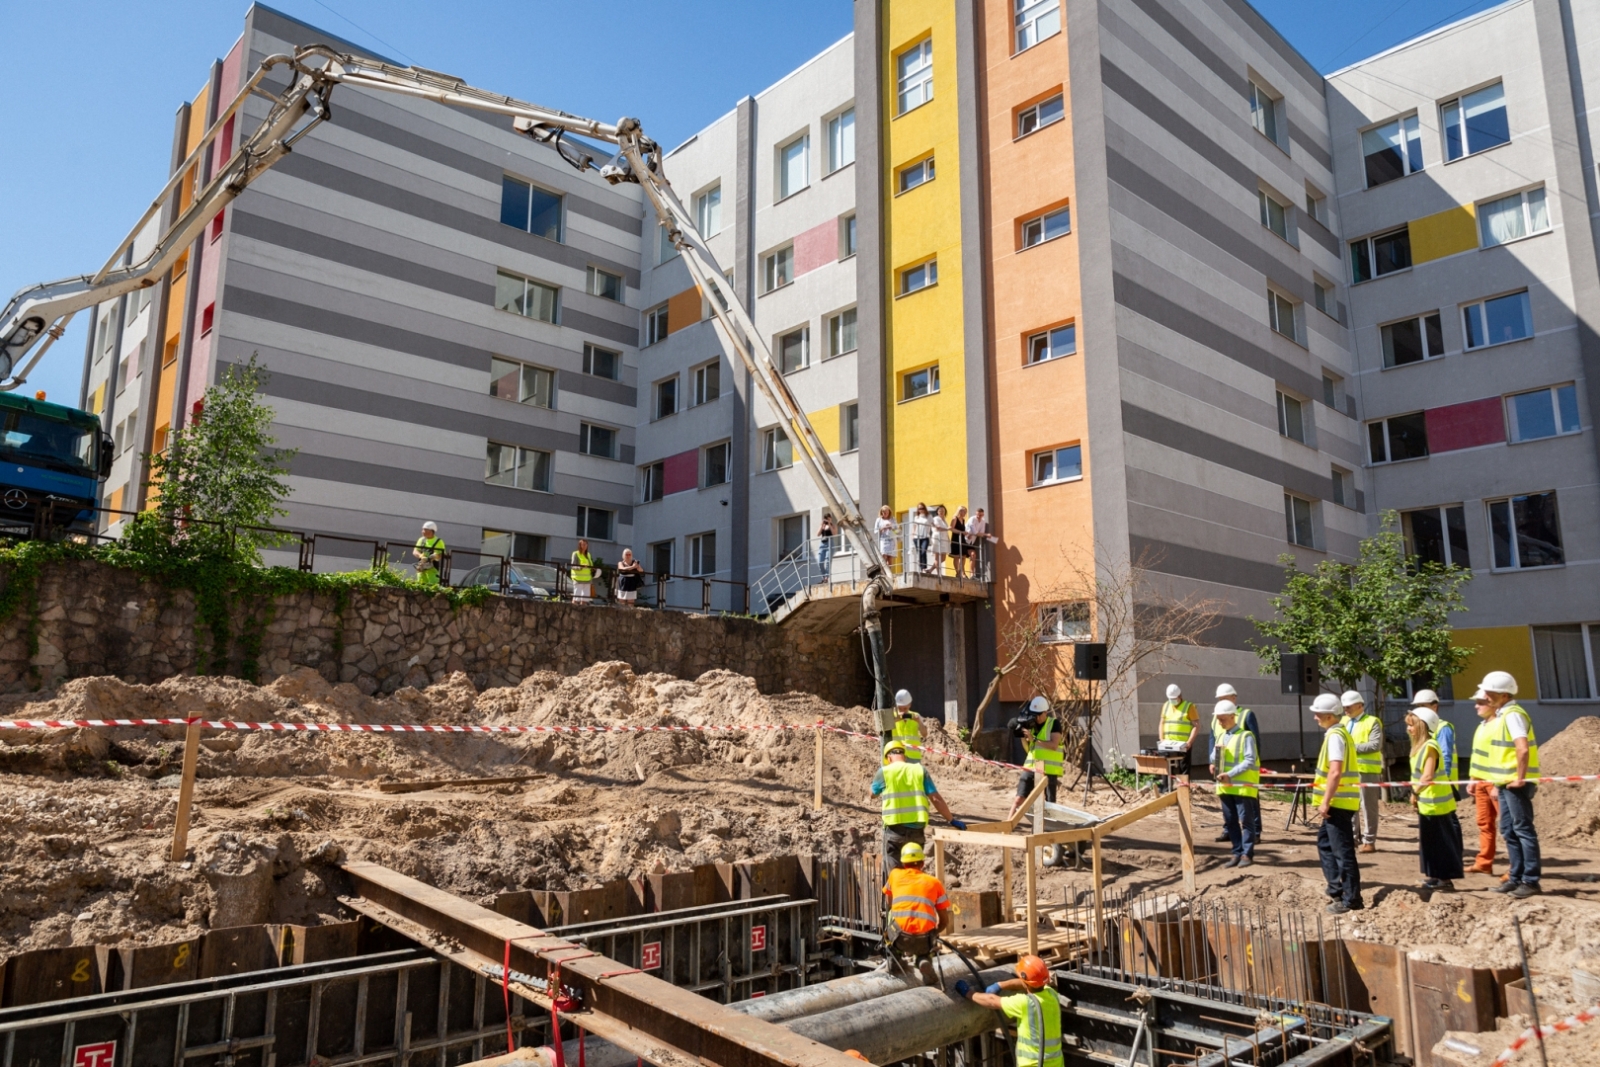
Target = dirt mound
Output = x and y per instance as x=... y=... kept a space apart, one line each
x=1575 y=750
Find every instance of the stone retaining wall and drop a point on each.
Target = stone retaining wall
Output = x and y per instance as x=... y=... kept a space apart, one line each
x=99 y=620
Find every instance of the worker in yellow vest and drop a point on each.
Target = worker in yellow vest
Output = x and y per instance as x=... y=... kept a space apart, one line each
x=1030 y=1001
x=1505 y=753
x=1237 y=770
x=1180 y=720
x=1248 y=723
x=429 y=552
x=582 y=571
x=907 y=726
x=1337 y=793
x=1042 y=734
x=1366 y=732
x=907 y=791
x=1438 y=829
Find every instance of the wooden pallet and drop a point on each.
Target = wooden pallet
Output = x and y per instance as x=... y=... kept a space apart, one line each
x=1007 y=941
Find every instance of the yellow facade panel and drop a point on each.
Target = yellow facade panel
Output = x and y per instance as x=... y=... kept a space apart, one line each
x=1499 y=648
x=826 y=424
x=1444 y=234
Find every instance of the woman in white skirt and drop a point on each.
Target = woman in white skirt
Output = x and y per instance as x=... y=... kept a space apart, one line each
x=941 y=538
x=886 y=530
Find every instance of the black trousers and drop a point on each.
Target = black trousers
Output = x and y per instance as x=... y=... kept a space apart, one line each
x=897 y=837
x=1336 y=846
x=1026 y=782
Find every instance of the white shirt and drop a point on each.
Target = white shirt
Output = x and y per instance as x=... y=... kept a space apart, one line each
x=1336 y=750
x=886 y=531
x=1516 y=725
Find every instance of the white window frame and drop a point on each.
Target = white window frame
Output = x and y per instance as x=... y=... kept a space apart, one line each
x=1055 y=628
x=586 y=440
x=923 y=171
x=1344 y=487
x=652 y=485
x=1388 y=442
x=836 y=332
x=1285 y=215
x=1037 y=113
x=846 y=411
x=1588 y=633
x=803 y=144
x=1292 y=523
x=1482 y=307
x=1458 y=103
x=1036 y=480
x=1509 y=502
x=1406 y=126
x=697 y=545
x=931 y=370
x=1527 y=199
x=528 y=285
x=1327 y=299
x=1370 y=243
x=929 y=270
x=842 y=140
x=1316 y=204
x=1301 y=414
x=522 y=457
x=1421 y=320
x=1559 y=420
x=1031 y=344
x=708 y=211
x=522 y=375
x=1276 y=303
x=593 y=288
x=914 y=76
x=1268 y=115
x=773 y=442
x=527 y=224
x=701 y=392
x=658 y=388
x=705 y=463
x=1036 y=231
x=656 y=325
x=778 y=349
x=1035 y=21
x=1443 y=513
x=653 y=570
x=589 y=352
x=777 y=269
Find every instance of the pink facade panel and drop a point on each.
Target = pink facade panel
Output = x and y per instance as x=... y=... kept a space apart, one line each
x=816 y=247
x=1477 y=422
x=682 y=472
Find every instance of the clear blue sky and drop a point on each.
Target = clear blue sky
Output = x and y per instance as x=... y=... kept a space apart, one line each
x=88 y=150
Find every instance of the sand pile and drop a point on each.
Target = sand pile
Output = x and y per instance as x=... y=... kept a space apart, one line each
x=1571 y=811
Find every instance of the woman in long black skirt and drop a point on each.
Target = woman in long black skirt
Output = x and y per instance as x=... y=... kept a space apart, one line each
x=1438 y=828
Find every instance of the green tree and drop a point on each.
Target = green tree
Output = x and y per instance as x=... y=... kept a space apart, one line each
x=220 y=478
x=1384 y=616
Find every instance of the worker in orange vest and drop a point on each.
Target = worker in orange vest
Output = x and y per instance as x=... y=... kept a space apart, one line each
x=919 y=910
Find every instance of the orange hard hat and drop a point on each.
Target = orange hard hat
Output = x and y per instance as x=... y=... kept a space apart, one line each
x=1032 y=970
x=854 y=1054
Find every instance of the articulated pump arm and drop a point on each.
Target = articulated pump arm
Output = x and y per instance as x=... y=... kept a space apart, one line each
x=44 y=310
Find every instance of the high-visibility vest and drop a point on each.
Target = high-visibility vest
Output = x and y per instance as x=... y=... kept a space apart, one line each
x=905 y=800
x=1431 y=799
x=908 y=731
x=582 y=567
x=430 y=545
x=1038 y=1027
x=1349 y=795
x=1360 y=731
x=1050 y=758
x=914 y=899
x=1175 y=722
x=1230 y=750
x=1494 y=753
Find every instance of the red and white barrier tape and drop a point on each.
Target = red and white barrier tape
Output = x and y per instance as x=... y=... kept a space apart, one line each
x=1571 y=1022
x=1451 y=781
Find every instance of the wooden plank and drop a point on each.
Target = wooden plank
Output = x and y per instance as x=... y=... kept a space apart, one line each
x=938 y=861
x=974 y=909
x=150 y=965
x=1186 y=835
x=423 y=785
x=1099 y=893
x=817 y=801
x=1006 y=941
x=1133 y=815
x=47 y=974
x=191 y=759
x=238 y=950
x=1027 y=804
x=1005 y=885
x=977 y=837
x=330 y=941
x=1031 y=868
x=1060 y=837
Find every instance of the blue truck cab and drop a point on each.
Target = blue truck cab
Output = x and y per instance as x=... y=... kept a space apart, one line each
x=52 y=462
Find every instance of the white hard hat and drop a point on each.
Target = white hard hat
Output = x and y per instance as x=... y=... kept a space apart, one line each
x=1226 y=690
x=1038 y=704
x=429 y=525
x=1498 y=682
x=1424 y=696
x=1227 y=707
x=902 y=699
x=1429 y=716
x=1173 y=692
x=1325 y=704
x=1350 y=698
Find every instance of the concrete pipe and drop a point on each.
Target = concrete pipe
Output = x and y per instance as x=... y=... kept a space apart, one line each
x=900 y=1025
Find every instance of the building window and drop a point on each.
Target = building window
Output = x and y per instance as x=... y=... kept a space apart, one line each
x=1344 y=491
x=849 y=427
x=708 y=211
x=1291 y=417
x=1498 y=320
x=665 y=249
x=1475 y=122
x=1047 y=227
x=1281 y=314
x=794 y=350
x=1058 y=465
x=1323 y=295
x=521 y=382
x=661 y=559
x=603 y=283
x=1510 y=217
x=841 y=140
x=1333 y=391
x=652 y=480
x=718 y=462
x=208 y=319
x=596 y=524
x=919 y=277
x=842 y=332
x=792 y=532
x=917 y=383
x=526 y=297
x=1412 y=340
x=1036 y=20
x=597 y=441
x=702 y=555
x=1525 y=531
x=1373 y=257
x=602 y=363
x=666 y=398
x=1297 y=521
x=1542 y=413
x=707 y=383
x=794 y=172
x=918 y=173
x=1266 y=115
x=1392 y=150
x=1065 y=622
x=1398 y=437
x=777 y=269
x=514 y=545
x=520 y=468
x=530 y=208
x=914 y=70
x=777 y=452
x=1316 y=205
x=1565 y=658
x=1053 y=344
x=1040 y=115
x=1437 y=535
x=655 y=325
x=847 y=236
x=1274 y=214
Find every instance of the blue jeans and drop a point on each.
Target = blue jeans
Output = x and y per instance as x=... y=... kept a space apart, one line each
x=1336 y=847
x=922 y=552
x=1241 y=818
x=824 y=560
x=1516 y=826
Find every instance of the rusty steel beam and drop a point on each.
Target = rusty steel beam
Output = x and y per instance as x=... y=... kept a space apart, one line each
x=653 y=1011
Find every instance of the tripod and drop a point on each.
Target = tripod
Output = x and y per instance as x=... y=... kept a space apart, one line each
x=1091 y=767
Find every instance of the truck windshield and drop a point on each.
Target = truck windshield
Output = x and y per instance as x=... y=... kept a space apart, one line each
x=30 y=438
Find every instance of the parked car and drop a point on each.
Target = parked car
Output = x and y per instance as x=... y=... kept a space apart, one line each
x=532 y=581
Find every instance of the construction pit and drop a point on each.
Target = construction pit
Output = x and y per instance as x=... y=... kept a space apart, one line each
x=352 y=897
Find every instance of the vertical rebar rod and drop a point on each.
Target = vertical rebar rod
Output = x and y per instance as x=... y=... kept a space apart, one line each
x=1527 y=980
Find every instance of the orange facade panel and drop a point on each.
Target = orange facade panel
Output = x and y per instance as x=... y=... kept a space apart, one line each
x=683 y=310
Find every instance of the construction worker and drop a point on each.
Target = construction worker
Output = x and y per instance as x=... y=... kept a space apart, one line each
x=1031 y=1002
x=1043 y=733
x=1237 y=770
x=1338 y=796
x=907 y=726
x=1438 y=829
x=1485 y=801
x=1366 y=731
x=1444 y=736
x=582 y=571
x=1505 y=753
x=907 y=790
x=1247 y=722
x=429 y=552
x=919 y=910
x=1179 y=720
